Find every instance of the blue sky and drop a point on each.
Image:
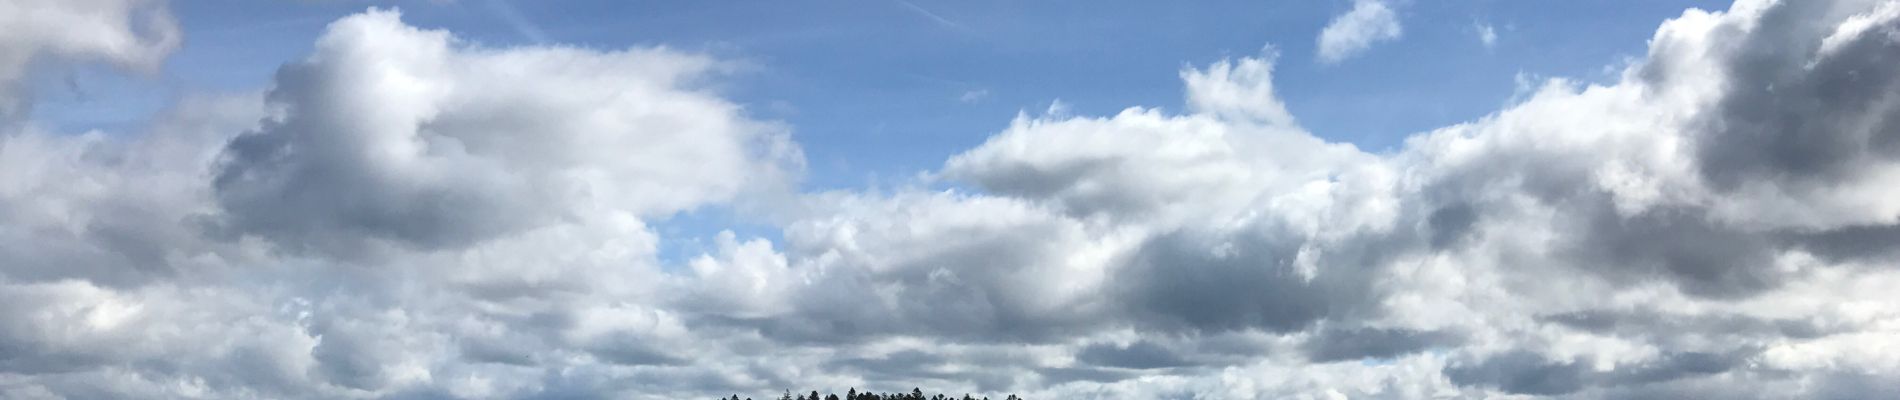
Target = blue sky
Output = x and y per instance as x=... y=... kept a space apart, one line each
x=879 y=91
x=875 y=91
x=1390 y=199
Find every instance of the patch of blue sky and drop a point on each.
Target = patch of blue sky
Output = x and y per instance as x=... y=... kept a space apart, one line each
x=877 y=91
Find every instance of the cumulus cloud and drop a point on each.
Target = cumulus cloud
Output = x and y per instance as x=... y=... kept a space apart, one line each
x=1367 y=23
x=133 y=34
x=1230 y=218
x=396 y=134
x=385 y=222
x=503 y=235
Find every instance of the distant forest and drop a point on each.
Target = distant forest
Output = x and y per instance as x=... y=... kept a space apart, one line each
x=852 y=394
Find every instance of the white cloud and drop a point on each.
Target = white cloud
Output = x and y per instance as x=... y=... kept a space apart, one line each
x=394 y=133
x=132 y=34
x=1487 y=35
x=1237 y=89
x=106 y=208
x=171 y=248
x=974 y=95
x=1590 y=241
x=1368 y=23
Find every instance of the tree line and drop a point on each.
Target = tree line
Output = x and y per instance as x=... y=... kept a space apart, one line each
x=852 y=394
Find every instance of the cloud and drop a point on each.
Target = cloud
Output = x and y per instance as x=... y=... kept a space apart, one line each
x=1801 y=113
x=1138 y=355
x=131 y=34
x=939 y=264
x=535 y=253
x=389 y=136
x=933 y=17
x=1487 y=35
x=1239 y=89
x=111 y=209
x=1524 y=373
x=1355 y=344
x=1230 y=218
x=972 y=96
x=1368 y=22
x=384 y=222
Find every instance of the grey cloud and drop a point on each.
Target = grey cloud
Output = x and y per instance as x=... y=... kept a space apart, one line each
x=1852 y=385
x=1521 y=373
x=1856 y=243
x=906 y=359
x=1797 y=115
x=1675 y=366
x=1180 y=281
x=1667 y=328
x=517 y=353
x=352 y=361
x=360 y=349
x=24 y=356
x=1754 y=385
x=962 y=278
x=225 y=318
x=1530 y=373
x=908 y=366
x=1250 y=280
x=1834 y=101
x=1684 y=246
x=1070 y=180
x=1110 y=186
x=1187 y=279
x=1141 y=354
x=1334 y=344
x=1072 y=374
x=1451 y=224
x=627 y=350
x=141 y=344
x=1791 y=116
x=134 y=226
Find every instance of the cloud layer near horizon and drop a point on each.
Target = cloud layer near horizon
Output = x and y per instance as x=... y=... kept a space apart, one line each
x=386 y=222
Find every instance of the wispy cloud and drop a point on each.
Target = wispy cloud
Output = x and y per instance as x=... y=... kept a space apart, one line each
x=515 y=20
x=1487 y=35
x=926 y=13
x=1369 y=22
x=974 y=95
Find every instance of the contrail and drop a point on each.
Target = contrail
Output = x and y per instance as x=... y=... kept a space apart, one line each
x=514 y=19
x=933 y=16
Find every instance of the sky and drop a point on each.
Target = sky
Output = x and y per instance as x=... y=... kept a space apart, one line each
x=1396 y=199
